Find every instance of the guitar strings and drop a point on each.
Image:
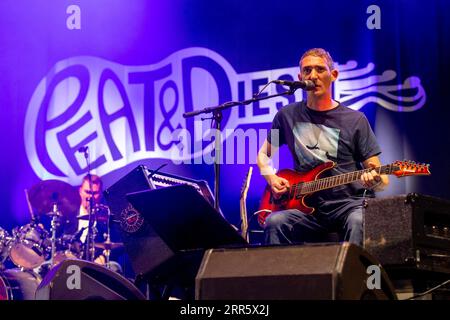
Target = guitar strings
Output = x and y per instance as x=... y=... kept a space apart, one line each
x=328 y=182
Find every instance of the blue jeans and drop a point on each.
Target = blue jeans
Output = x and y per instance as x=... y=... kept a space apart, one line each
x=293 y=226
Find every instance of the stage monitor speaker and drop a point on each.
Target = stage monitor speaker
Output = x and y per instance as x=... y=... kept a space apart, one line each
x=306 y=272
x=82 y=280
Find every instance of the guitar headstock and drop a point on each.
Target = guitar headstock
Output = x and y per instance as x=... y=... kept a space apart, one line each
x=410 y=168
x=246 y=183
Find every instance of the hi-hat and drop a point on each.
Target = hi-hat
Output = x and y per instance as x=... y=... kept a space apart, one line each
x=108 y=245
x=46 y=193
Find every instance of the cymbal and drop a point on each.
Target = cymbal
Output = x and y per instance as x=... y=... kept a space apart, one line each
x=47 y=192
x=108 y=245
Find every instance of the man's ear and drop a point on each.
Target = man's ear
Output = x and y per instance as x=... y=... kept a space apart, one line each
x=299 y=76
x=334 y=74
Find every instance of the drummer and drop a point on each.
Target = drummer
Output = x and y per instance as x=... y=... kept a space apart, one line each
x=85 y=195
x=91 y=186
x=75 y=208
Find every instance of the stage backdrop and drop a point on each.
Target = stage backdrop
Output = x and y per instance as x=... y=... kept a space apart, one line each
x=117 y=75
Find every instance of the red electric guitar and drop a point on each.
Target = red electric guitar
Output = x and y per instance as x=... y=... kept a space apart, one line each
x=304 y=184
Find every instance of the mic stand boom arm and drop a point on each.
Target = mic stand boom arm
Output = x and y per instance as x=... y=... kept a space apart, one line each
x=217 y=116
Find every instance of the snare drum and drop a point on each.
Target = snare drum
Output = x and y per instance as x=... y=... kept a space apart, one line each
x=29 y=247
x=16 y=284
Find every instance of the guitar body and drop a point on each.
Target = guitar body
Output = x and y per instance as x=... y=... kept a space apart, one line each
x=288 y=201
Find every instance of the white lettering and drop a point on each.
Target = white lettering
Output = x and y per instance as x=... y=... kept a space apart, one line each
x=74 y=280
x=374 y=280
x=150 y=122
x=374 y=21
x=74 y=20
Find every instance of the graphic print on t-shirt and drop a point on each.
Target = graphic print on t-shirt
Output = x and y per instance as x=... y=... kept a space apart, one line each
x=315 y=144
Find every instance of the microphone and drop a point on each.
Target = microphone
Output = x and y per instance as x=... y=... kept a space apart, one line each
x=305 y=85
x=83 y=149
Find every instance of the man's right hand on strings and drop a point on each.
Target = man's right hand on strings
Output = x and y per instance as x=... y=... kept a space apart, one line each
x=278 y=185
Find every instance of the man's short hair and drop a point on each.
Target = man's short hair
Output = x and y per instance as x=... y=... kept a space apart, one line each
x=319 y=52
x=95 y=180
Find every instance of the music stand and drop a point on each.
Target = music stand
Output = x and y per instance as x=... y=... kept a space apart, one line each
x=188 y=224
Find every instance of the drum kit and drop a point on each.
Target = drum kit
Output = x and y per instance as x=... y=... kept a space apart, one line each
x=31 y=250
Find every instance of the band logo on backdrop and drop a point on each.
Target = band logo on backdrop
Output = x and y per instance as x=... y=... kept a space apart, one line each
x=129 y=113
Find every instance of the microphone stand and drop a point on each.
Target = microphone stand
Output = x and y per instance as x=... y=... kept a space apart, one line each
x=89 y=245
x=217 y=116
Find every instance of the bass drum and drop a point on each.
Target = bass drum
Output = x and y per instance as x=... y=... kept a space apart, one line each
x=16 y=284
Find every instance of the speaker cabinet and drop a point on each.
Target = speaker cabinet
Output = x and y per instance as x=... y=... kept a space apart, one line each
x=409 y=231
x=322 y=271
x=83 y=280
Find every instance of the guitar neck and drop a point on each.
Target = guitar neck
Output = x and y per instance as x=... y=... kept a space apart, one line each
x=243 y=204
x=244 y=224
x=338 y=180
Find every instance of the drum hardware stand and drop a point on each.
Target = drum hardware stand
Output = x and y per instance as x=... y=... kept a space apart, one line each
x=54 y=226
x=107 y=252
x=92 y=231
x=90 y=239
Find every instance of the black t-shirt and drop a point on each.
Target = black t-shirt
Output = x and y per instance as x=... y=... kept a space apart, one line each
x=341 y=135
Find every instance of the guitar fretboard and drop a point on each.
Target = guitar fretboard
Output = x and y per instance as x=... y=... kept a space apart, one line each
x=338 y=180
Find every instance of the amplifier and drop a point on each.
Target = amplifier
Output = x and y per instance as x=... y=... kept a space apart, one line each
x=409 y=230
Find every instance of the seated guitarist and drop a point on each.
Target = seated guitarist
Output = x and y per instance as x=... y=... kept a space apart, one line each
x=319 y=130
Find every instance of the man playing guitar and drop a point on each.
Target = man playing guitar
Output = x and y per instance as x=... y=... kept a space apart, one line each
x=317 y=131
